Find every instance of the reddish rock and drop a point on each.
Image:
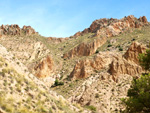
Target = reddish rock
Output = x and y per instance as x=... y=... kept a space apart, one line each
x=115 y=63
x=28 y=30
x=122 y=66
x=85 y=68
x=85 y=49
x=45 y=67
x=105 y=28
x=114 y=26
x=133 y=52
x=77 y=34
x=14 y=29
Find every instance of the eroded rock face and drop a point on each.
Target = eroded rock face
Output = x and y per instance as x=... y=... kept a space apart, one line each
x=115 y=63
x=14 y=29
x=133 y=52
x=104 y=28
x=111 y=27
x=45 y=67
x=85 y=68
x=122 y=66
x=84 y=49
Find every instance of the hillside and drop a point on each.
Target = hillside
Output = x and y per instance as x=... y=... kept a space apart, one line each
x=95 y=67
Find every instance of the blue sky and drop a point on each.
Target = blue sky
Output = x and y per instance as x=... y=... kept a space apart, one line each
x=63 y=18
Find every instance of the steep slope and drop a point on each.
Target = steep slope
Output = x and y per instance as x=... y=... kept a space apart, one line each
x=105 y=79
x=99 y=60
x=21 y=91
x=103 y=29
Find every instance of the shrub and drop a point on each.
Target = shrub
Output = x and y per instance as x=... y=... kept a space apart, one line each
x=120 y=49
x=144 y=60
x=97 y=51
x=139 y=95
x=57 y=83
x=138 y=100
x=109 y=45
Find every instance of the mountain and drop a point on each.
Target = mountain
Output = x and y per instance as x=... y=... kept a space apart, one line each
x=87 y=72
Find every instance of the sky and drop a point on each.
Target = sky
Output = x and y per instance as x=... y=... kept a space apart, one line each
x=63 y=18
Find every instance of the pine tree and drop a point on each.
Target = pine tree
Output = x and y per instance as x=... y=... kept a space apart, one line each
x=138 y=100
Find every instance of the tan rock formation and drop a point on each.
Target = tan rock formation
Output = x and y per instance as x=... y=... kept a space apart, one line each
x=133 y=52
x=114 y=26
x=122 y=66
x=45 y=67
x=104 y=28
x=85 y=49
x=14 y=29
x=28 y=30
x=114 y=62
x=85 y=68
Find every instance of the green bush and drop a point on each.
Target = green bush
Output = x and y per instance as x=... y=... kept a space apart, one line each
x=120 y=49
x=109 y=45
x=139 y=96
x=144 y=60
x=57 y=83
x=138 y=100
x=97 y=51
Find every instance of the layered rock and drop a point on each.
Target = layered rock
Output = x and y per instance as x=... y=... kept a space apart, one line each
x=115 y=63
x=85 y=49
x=133 y=52
x=45 y=67
x=14 y=29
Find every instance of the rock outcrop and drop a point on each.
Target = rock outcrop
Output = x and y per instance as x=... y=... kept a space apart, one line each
x=121 y=66
x=85 y=49
x=14 y=29
x=133 y=52
x=104 y=28
x=45 y=67
x=28 y=30
x=115 y=63
x=85 y=68
x=112 y=27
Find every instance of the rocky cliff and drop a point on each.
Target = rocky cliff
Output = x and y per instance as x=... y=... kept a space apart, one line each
x=85 y=49
x=133 y=52
x=104 y=28
x=45 y=67
x=115 y=63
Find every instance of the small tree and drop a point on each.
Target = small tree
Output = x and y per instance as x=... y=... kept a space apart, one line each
x=139 y=95
x=145 y=60
x=138 y=100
